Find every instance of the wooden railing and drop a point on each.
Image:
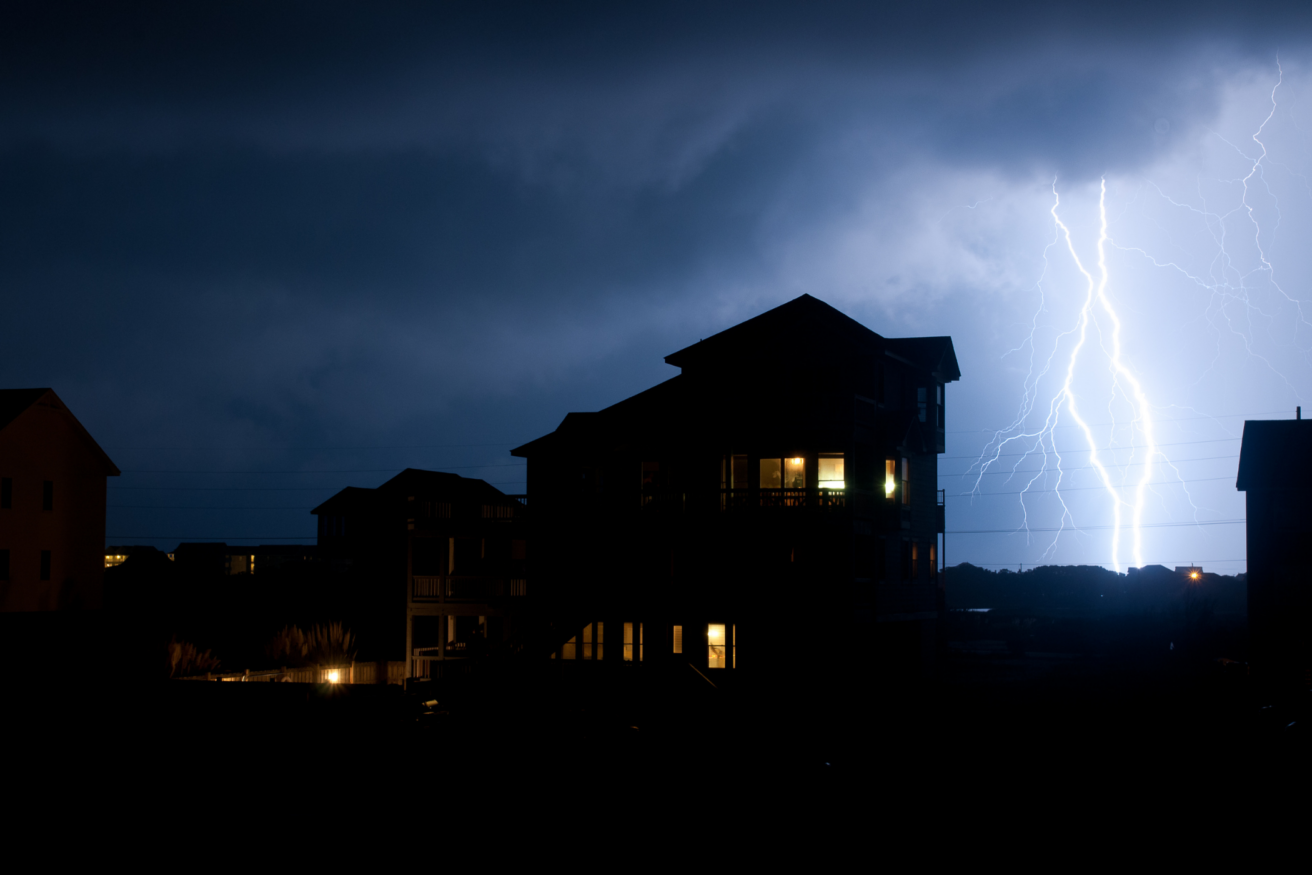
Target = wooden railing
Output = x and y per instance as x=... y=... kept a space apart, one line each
x=467 y=588
x=731 y=500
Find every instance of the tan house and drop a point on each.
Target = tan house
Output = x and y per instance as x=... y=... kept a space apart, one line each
x=52 y=505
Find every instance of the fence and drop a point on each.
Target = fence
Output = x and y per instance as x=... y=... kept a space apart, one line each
x=350 y=673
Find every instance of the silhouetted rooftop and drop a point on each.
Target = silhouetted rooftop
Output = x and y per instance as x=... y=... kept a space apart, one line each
x=1276 y=454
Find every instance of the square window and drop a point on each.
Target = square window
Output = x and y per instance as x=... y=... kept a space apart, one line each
x=795 y=473
x=716 y=645
x=831 y=472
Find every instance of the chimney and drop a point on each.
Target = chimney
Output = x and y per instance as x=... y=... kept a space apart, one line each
x=1298 y=412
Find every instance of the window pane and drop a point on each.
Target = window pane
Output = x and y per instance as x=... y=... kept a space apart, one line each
x=587 y=641
x=733 y=646
x=568 y=649
x=628 y=642
x=639 y=642
x=922 y=405
x=738 y=474
x=890 y=478
x=771 y=474
x=831 y=472
x=795 y=473
x=906 y=481
x=678 y=639
x=601 y=640
x=716 y=645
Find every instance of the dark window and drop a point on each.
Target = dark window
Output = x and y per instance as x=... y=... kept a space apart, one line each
x=45 y=564
x=6 y=492
x=47 y=496
x=906 y=560
x=881 y=559
x=938 y=401
x=4 y=564
x=922 y=404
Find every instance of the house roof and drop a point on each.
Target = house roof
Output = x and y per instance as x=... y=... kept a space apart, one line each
x=15 y=402
x=1276 y=454
x=934 y=354
x=801 y=318
x=415 y=481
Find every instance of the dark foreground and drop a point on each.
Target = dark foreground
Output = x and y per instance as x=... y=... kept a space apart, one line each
x=998 y=727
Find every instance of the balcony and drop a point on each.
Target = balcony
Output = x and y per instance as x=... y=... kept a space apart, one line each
x=433 y=588
x=761 y=500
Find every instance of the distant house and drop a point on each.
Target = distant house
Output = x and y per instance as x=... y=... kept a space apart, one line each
x=52 y=505
x=782 y=486
x=1275 y=472
x=439 y=563
x=228 y=559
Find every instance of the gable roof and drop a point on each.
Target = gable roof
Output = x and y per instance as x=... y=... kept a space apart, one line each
x=934 y=354
x=803 y=317
x=1275 y=454
x=416 y=481
x=15 y=402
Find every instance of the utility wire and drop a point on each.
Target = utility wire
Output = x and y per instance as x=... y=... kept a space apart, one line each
x=1019 y=529
x=1054 y=470
x=1085 y=449
x=326 y=471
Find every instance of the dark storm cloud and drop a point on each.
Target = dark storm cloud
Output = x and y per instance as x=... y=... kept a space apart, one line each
x=305 y=219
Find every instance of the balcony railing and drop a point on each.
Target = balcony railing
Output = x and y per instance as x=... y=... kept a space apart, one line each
x=434 y=588
x=731 y=500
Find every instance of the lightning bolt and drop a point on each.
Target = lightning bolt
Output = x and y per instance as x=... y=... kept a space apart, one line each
x=1230 y=284
x=1097 y=291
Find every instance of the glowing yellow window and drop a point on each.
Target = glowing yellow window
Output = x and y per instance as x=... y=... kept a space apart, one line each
x=831 y=472
x=593 y=634
x=715 y=646
x=629 y=651
x=890 y=478
x=771 y=474
x=795 y=473
x=678 y=639
x=567 y=652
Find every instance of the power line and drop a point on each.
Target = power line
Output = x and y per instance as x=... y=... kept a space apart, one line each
x=1085 y=450
x=1103 y=424
x=328 y=471
x=1082 y=467
x=324 y=447
x=1019 y=530
x=1082 y=488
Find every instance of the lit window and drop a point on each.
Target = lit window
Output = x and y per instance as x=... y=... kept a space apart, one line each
x=629 y=644
x=715 y=646
x=922 y=404
x=591 y=631
x=733 y=646
x=678 y=639
x=906 y=481
x=771 y=474
x=890 y=478
x=831 y=472
x=933 y=561
x=795 y=473
x=915 y=560
x=568 y=651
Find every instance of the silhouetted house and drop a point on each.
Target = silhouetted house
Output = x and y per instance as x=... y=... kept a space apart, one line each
x=783 y=484
x=1275 y=472
x=439 y=562
x=52 y=505
x=217 y=557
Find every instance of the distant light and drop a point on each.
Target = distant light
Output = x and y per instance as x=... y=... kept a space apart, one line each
x=333 y=676
x=889 y=486
x=1194 y=575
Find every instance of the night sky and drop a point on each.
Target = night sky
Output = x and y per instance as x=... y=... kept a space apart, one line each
x=265 y=251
